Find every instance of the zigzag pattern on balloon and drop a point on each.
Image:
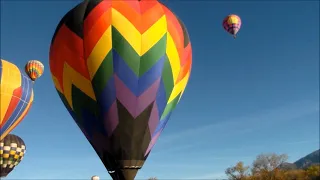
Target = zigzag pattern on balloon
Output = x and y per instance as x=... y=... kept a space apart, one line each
x=122 y=54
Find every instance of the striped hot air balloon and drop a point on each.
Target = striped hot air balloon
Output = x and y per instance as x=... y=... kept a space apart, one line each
x=120 y=67
x=34 y=69
x=232 y=24
x=16 y=96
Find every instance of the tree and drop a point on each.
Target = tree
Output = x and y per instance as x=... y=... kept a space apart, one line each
x=313 y=172
x=237 y=172
x=268 y=167
x=266 y=163
x=265 y=166
x=295 y=174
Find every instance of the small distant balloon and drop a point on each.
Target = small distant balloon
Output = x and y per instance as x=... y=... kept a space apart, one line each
x=95 y=178
x=34 y=69
x=232 y=24
x=12 y=150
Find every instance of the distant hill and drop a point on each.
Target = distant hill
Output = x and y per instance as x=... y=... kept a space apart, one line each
x=303 y=163
x=310 y=159
x=288 y=166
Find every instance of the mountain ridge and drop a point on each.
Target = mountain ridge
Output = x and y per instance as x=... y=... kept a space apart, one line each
x=304 y=162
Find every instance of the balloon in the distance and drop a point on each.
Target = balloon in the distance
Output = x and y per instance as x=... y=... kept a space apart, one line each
x=120 y=68
x=95 y=178
x=34 y=69
x=232 y=24
x=12 y=150
x=16 y=96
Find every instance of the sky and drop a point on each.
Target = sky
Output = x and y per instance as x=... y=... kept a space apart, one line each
x=256 y=94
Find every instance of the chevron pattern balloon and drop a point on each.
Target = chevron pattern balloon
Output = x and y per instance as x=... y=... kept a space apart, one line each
x=16 y=96
x=120 y=67
x=34 y=69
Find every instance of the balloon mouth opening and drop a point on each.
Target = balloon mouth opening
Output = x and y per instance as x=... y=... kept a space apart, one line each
x=125 y=168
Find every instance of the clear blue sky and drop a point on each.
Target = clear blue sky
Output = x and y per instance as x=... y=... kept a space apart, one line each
x=258 y=93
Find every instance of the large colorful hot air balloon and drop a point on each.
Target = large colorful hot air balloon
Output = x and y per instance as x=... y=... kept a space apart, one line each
x=16 y=96
x=120 y=67
x=232 y=24
x=34 y=69
x=12 y=150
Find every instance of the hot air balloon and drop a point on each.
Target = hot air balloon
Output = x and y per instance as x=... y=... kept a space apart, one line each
x=120 y=68
x=12 y=150
x=16 y=96
x=34 y=69
x=95 y=178
x=232 y=24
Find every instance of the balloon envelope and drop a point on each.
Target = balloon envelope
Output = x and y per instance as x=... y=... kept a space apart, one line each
x=12 y=150
x=120 y=68
x=16 y=96
x=34 y=69
x=232 y=24
x=95 y=178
